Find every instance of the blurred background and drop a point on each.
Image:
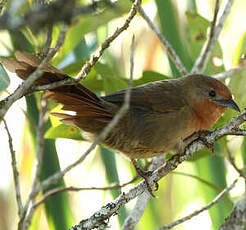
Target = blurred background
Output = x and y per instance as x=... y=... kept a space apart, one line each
x=195 y=183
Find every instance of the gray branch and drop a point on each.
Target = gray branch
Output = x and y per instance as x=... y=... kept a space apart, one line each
x=171 y=52
x=229 y=73
x=237 y=219
x=15 y=171
x=207 y=49
x=197 y=212
x=42 y=15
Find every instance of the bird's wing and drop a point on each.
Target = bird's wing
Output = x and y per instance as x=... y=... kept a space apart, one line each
x=161 y=96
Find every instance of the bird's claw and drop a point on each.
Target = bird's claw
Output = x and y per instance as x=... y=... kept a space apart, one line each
x=146 y=175
x=206 y=143
x=156 y=186
x=201 y=135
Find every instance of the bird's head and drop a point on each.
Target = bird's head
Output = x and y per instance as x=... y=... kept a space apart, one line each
x=208 y=98
x=209 y=90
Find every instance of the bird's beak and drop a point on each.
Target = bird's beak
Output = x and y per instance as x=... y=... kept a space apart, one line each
x=229 y=103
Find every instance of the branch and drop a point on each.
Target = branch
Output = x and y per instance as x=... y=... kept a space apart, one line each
x=195 y=213
x=2 y=3
x=102 y=216
x=237 y=219
x=208 y=46
x=15 y=171
x=171 y=52
x=231 y=160
x=48 y=41
x=77 y=189
x=41 y=15
x=227 y=74
x=94 y=58
x=24 y=87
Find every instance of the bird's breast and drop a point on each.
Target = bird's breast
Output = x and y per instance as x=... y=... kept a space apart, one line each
x=205 y=114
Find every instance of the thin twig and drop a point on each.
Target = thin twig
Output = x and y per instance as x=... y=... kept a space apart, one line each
x=171 y=52
x=143 y=199
x=207 y=48
x=15 y=171
x=23 y=88
x=48 y=41
x=231 y=160
x=77 y=189
x=197 y=212
x=94 y=58
x=227 y=74
x=201 y=180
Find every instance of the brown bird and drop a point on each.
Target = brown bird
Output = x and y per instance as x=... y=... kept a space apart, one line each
x=161 y=116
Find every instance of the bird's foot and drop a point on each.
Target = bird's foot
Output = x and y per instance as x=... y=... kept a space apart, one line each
x=200 y=135
x=145 y=175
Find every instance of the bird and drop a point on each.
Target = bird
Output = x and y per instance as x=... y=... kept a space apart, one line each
x=161 y=114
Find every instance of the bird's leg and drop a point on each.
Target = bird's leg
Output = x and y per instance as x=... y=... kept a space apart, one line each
x=200 y=135
x=145 y=175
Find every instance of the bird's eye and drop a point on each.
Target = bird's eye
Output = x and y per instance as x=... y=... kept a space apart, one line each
x=212 y=93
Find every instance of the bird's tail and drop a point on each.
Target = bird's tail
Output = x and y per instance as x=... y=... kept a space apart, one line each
x=90 y=112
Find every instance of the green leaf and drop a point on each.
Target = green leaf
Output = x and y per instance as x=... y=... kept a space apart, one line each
x=197 y=36
x=20 y=41
x=4 y=78
x=64 y=131
x=111 y=81
x=150 y=76
x=74 y=68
